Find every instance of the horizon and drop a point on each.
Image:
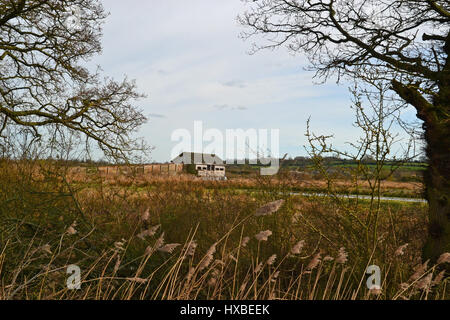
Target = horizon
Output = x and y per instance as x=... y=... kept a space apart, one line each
x=193 y=66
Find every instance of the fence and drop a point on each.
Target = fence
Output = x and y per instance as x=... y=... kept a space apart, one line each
x=169 y=169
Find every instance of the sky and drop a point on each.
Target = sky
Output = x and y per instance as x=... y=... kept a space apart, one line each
x=189 y=60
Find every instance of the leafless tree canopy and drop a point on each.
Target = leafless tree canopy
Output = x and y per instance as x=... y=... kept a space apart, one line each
x=403 y=42
x=403 y=39
x=43 y=84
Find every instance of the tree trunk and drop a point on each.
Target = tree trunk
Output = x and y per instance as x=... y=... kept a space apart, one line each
x=437 y=177
x=437 y=187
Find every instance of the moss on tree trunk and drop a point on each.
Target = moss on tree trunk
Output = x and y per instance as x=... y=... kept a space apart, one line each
x=437 y=183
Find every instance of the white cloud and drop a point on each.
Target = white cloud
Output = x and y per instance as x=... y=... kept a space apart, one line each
x=187 y=57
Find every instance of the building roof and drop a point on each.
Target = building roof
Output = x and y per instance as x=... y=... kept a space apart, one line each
x=198 y=158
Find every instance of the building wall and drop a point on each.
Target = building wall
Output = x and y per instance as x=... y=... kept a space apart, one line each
x=203 y=172
x=131 y=170
x=152 y=169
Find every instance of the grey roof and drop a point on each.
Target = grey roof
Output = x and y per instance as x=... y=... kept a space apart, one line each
x=198 y=158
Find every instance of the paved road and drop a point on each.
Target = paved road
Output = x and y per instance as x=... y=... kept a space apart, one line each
x=364 y=197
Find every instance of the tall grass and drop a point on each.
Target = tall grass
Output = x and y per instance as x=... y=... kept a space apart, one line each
x=176 y=239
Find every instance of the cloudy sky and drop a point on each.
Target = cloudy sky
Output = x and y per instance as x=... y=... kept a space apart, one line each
x=187 y=57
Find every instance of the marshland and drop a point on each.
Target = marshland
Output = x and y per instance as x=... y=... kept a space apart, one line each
x=179 y=237
x=354 y=95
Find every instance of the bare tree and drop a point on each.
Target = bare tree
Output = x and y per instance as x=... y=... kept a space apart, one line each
x=405 y=42
x=378 y=153
x=45 y=88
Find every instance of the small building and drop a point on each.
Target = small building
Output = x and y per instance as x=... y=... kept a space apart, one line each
x=208 y=166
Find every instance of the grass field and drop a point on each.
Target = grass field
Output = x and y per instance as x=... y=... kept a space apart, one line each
x=177 y=237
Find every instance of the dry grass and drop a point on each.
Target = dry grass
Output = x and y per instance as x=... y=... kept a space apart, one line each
x=288 y=180
x=175 y=238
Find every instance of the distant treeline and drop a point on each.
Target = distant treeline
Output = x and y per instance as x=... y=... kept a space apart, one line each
x=300 y=162
x=304 y=162
x=335 y=161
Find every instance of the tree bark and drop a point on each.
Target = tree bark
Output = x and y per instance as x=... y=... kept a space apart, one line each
x=437 y=188
x=437 y=184
x=436 y=179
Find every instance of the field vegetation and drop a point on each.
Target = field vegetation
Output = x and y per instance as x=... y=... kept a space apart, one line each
x=160 y=237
